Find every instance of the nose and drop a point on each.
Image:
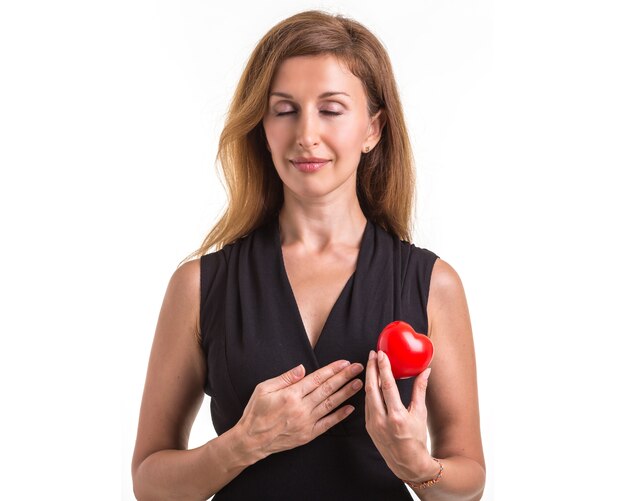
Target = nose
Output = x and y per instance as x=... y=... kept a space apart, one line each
x=308 y=129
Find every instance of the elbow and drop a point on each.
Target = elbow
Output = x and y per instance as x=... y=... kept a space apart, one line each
x=134 y=476
x=145 y=490
x=139 y=495
x=482 y=480
x=475 y=479
x=136 y=493
x=139 y=487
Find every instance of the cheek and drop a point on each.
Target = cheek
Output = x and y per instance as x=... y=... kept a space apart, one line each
x=347 y=144
x=347 y=137
x=277 y=134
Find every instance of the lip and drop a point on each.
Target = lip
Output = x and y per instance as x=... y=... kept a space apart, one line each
x=309 y=166
x=309 y=160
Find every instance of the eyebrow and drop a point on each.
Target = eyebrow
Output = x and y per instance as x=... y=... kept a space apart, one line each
x=321 y=96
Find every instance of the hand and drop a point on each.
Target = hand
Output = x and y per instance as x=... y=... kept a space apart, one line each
x=289 y=410
x=398 y=433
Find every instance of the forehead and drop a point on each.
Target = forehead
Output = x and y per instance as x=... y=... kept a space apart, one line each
x=316 y=74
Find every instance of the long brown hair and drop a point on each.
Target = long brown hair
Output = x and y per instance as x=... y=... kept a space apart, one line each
x=385 y=175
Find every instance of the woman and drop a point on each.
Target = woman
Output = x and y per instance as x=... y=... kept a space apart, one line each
x=313 y=261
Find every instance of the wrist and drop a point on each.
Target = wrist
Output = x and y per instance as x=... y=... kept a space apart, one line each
x=431 y=469
x=244 y=448
x=429 y=472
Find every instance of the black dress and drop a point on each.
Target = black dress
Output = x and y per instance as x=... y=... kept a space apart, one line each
x=252 y=331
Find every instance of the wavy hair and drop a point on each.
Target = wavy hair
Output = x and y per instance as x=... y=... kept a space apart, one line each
x=385 y=175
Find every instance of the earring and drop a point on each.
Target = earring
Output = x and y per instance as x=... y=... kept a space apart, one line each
x=367 y=148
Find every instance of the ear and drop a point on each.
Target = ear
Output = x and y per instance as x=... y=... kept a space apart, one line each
x=375 y=129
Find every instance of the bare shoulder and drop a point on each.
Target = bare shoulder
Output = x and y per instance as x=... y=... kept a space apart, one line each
x=446 y=289
x=452 y=395
x=188 y=274
x=174 y=384
x=185 y=285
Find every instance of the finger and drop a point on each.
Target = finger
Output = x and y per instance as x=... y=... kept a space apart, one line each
x=324 y=424
x=373 y=396
x=328 y=398
x=388 y=384
x=322 y=383
x=418 y=397
x=284 y=380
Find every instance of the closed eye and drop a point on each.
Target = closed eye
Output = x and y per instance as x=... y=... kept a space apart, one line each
x=323 y=111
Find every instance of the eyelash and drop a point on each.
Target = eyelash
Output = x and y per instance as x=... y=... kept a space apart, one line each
x=333 y=113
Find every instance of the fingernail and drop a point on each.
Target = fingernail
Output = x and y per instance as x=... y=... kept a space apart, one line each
x=381 y=355
x=344 y=364
x=427 y=371
x=372 y=355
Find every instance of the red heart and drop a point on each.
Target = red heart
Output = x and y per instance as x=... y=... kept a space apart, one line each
x=409 y=352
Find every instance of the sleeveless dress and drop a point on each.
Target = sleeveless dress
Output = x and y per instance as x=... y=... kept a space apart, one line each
x=251 y=331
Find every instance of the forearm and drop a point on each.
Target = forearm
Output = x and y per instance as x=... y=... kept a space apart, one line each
x=194 y=474
x=463 y=479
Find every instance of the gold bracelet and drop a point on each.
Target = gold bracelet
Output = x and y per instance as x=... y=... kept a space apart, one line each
x=427 y=483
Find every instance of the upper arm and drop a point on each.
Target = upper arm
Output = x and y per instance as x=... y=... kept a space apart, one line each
x=173 y=391
x=452 y=395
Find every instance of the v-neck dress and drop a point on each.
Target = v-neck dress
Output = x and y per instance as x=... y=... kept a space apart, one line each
x=252 y=330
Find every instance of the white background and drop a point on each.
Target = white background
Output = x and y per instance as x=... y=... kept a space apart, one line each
x=109 y=118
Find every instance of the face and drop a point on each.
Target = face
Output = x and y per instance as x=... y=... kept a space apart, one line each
x=301 y=121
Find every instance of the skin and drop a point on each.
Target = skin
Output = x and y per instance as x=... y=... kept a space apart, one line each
x=321 y=212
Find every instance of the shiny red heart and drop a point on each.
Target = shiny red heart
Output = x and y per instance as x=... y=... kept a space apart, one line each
x=409 y=352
